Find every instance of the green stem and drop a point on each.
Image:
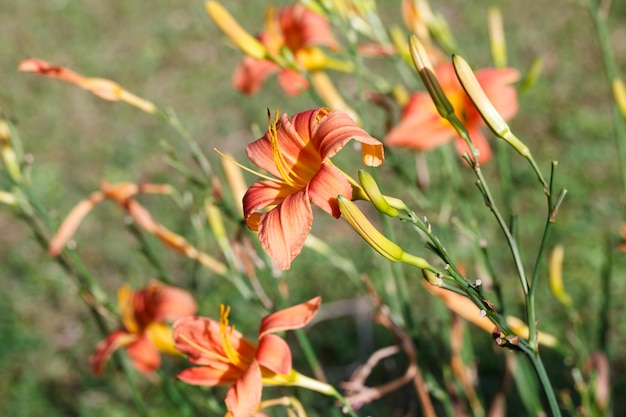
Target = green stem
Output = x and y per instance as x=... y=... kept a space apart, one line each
x=537 y=364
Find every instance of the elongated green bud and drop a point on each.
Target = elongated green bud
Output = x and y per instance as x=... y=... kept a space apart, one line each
x=427 y=74
x=373 y=192
x=374 y=238
x=490 y=115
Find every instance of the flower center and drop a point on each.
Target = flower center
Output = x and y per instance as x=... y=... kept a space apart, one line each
x=226 y=332
x=288 y=175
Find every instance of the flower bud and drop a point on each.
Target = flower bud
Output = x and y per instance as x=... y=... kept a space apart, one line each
x=496 y=37
x=374 y=238
x=373 y=192
x=490 y=115
x=619 y=94
x=427 y=74
x=556 y=276
x=248 y=44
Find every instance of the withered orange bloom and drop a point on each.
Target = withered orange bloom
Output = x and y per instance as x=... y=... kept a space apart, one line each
x=423 y=129
x=103 y=88
x=145 y=331
x=301 y=31
x=296 y=152
x=225 y=357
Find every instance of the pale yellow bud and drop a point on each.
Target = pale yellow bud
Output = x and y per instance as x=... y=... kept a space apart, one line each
x=490 y=115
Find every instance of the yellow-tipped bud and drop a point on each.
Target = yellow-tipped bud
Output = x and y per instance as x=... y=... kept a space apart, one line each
x=374 y=238
x=398 y=38
x=248 y=44
x=427 y=74
x=496 y=36
x=376 y=197
x=556 y=276
x=619 y=93
x=490 y=115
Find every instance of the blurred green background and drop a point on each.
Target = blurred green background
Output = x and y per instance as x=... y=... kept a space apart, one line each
x=172 y=54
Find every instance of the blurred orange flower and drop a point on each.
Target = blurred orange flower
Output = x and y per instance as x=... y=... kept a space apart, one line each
x=225 y=357
x=297 y=154
x=145 y=333
x=297 y=29
x=103 y=88
x=423 y=129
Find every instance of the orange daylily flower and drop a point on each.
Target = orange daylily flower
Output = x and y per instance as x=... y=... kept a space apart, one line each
x=422 y=128
x=145 y=333
x=103 y=88
x=225 y=357
x=297 y=153
x=297 y=29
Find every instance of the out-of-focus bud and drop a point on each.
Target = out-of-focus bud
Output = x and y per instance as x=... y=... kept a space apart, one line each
x=248 y=44
x=7 y=198
x=599 y=364
x=496 y=36
x=490 y=115
x=556 y=276
x=376 y=197
x=619 y=94
x=374 y=238
x=236 y=182
x=532 y=75
x=521 y=329
x=427 y=74
x=8 y=153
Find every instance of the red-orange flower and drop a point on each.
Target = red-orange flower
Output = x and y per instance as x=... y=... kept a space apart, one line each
x=225 y=357
x=145 y=333
x=422 y=128
x=297 y=29
x=297 y=154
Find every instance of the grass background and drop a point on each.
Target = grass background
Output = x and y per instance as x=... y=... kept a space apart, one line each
x=172 y=54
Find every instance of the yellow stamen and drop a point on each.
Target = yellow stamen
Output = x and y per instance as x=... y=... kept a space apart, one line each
x=289 y=176
x=231 y=159
x=230 y=351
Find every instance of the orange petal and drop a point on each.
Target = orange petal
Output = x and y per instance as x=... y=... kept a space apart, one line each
x=497 y=86
x=144 y=355
x=168 y=303
x=250 y=75
x=336 y=129
x=283 y=230
x=206 y=376
x=325 y=186
x=199 y=338
x=72 y=221
x=105 y=349
x=302 y=27
x=292 y=82
x=274 y=354
x=291 y=318
x=262 y=194
x=47 y=69
x=243 y=399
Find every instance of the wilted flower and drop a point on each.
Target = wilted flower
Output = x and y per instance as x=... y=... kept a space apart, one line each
x=145 y=333
x=423 y=129
x=101 y=87
x=297 y=153
x=225 y=357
